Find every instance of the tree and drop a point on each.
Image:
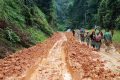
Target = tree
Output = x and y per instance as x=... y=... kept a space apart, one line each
x=88 y=13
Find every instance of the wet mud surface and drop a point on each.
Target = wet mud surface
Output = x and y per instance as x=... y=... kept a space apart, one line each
x=61 y=57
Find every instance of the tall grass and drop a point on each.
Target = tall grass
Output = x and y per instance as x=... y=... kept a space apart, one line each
x=116 y=37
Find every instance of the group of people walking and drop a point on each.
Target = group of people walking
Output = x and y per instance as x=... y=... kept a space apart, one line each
x=95 y=38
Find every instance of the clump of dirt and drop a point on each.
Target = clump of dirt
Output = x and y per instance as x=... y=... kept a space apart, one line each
x=85 y=63
x=16 y=65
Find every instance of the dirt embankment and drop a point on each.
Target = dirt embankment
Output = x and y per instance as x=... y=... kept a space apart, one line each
x=61 y=57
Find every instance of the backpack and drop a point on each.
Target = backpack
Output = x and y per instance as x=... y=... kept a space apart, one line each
x=107 y=36
x=98 y=37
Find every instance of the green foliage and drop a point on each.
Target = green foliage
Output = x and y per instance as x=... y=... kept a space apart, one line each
x=104 y=13
x=108 y=12
x=36 y=35
x=117 y=22
x=11 y=11
x=12 y=36
x=18 y=13
x=29 y=22
x=41 y=22
x=61 y=27
x=116 y=37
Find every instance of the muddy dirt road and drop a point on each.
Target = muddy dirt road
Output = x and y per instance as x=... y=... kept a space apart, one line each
x=61 y=57
x=53 y=67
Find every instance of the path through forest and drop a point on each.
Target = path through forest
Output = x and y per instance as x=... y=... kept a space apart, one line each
x=53 y=67
x=61 y=57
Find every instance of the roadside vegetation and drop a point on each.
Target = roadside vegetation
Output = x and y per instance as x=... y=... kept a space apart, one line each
x=23 y=23
x=116 y=37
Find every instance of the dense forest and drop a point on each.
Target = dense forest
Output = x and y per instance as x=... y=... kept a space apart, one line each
x=88 y=13
x=24 y=23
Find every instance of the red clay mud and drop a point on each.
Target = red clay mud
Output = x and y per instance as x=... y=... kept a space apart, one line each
x=61 y=57
x=17 y=64
x=85 y=63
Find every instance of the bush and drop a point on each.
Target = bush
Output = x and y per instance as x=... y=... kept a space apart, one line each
x=36 y=35
x=11 y=35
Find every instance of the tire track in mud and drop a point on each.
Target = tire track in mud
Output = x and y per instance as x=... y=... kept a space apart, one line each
x=54 y=67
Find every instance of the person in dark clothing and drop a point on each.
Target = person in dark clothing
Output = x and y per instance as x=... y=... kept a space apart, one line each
x=93 y=39
x=87 y=37
x=73 y=32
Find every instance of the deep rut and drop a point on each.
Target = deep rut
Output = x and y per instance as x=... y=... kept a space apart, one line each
x=53 y=67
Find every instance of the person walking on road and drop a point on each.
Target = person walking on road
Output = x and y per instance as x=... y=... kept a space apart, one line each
x=82 y=34
x=98 y=39
x=107 y=39
x=93 y=39
x=87 y=37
